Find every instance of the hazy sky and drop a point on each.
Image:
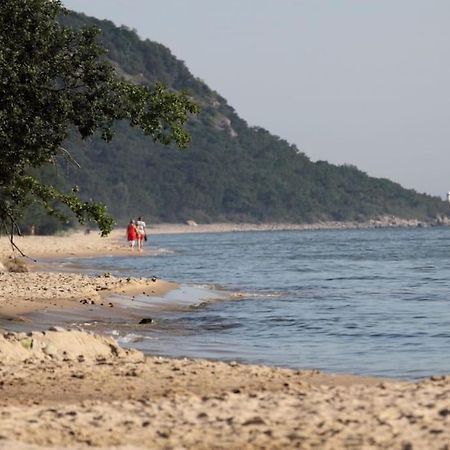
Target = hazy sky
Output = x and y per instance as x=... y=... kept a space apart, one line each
x=364 y=82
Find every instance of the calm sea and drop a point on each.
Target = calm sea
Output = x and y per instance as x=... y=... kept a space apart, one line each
x=372 y=302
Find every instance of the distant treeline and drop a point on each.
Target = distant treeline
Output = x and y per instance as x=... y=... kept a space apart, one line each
x=230 y=172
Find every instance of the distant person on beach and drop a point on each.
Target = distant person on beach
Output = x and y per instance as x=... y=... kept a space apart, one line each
x=131 y=234
x=141 y=233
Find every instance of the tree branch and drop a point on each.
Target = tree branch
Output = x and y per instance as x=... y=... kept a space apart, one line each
x=15 y=226
x=69 y=157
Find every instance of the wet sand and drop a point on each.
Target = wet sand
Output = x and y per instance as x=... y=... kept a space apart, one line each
x=72 y=389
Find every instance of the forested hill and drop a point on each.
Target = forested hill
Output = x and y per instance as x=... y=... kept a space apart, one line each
x=230 y=171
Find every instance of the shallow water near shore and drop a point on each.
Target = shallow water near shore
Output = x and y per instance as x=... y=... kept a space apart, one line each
x=370 y=302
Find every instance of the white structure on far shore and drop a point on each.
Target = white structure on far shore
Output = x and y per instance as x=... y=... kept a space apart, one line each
x=448 y=196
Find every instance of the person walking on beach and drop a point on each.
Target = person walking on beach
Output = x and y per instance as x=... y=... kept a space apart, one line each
x=141 y=233
x=131 y=234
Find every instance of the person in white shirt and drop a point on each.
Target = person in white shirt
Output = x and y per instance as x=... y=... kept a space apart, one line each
x=141 y=233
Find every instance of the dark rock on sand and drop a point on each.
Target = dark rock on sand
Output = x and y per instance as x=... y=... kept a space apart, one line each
x=146 y=320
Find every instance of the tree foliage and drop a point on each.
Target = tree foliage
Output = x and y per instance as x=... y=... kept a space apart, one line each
x=54 y=81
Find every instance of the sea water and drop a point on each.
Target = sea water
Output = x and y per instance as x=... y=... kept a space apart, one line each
x=370 y=302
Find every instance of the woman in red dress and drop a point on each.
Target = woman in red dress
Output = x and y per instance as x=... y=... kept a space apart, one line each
x=131 y=234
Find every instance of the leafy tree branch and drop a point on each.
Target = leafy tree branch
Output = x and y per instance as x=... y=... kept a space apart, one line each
x=54 y=81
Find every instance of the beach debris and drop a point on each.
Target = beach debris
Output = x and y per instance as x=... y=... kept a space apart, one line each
x=84 y=301
x=146 y=320
x=56 y=328
x=16 y=265
x=132 y=372
x=437 y=378
x=107 y=274
x=154 y=279
x=27 y=343
x=257 y=420
x=128 y=279
x=110 y=305
x=78 y=374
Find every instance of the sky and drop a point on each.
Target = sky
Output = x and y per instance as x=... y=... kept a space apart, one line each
x=362 y=82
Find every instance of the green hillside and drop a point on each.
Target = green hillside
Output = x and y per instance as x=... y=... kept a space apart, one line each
x=231 y=172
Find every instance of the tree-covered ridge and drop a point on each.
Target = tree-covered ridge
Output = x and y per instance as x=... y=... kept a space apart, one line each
x=230 y=172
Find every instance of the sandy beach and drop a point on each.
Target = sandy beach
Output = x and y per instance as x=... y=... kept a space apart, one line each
x=72 y=389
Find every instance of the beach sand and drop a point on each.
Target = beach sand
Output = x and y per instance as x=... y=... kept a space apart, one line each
x=68 y=389
x=72 y=389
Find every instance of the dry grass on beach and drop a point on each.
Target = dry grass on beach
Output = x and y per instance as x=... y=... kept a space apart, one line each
x=73 y=390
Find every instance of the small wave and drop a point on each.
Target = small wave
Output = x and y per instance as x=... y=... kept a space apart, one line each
x=225 y=293
x=359 y=278
x=208 y=287
x=162 y=251
x=130 y=338
x=84 y=324
x=243 y=294
x=423 y=267
x=221 y=326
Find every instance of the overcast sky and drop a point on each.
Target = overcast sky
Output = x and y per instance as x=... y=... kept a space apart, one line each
x=364 y=82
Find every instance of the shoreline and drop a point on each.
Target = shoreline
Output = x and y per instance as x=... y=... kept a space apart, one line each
x=74 y=389
x=225 y=227
x=24 y=294
x=79 y=244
